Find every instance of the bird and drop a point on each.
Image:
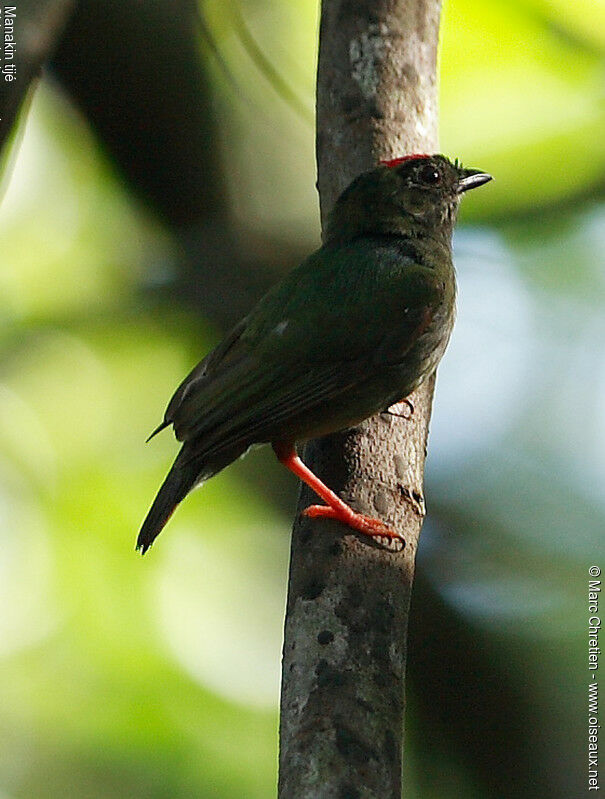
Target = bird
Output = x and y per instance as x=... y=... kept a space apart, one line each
x=354 y=329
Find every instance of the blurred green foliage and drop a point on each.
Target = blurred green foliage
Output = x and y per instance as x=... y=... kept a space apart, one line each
x=160 y=678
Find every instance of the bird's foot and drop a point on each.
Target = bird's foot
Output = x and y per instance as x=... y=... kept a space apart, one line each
x=415 y=500
x=398 y=409
x=375 y=528
x=336 y=508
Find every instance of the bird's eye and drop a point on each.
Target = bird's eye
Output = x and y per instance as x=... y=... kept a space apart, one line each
x=430 y=175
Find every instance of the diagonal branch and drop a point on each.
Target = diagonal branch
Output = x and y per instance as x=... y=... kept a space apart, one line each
x=342 y=703
x=37 y=26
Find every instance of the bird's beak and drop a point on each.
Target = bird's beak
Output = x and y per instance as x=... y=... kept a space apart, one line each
x=471 y=178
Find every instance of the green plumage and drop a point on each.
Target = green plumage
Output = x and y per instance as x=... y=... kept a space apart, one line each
x=355 y=328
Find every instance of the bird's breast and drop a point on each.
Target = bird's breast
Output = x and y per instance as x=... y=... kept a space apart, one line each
x=428 y=350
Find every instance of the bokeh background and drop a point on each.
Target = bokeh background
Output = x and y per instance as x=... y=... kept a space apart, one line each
x=159 y=179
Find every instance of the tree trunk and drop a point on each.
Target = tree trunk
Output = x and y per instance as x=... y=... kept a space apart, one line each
x=342 y=701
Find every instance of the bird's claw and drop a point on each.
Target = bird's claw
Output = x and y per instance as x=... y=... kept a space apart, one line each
x=415 y=500
x=375 y=528
x=397 y=409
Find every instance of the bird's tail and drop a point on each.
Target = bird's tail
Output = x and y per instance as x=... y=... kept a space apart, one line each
x=186 y=473
x=176 y=486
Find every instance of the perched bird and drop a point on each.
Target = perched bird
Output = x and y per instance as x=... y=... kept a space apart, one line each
x=351 y=331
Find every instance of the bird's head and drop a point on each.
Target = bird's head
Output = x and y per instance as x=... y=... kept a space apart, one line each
x=404 y=196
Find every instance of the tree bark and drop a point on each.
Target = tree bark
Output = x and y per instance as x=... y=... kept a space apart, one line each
x=342 y=700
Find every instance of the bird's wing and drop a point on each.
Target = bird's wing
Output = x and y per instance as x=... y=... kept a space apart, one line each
x=225 y=353
x=316 y=335
x=263 y=419
x=254 y=396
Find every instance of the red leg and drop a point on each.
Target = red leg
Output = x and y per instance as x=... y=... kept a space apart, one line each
x=335 y=508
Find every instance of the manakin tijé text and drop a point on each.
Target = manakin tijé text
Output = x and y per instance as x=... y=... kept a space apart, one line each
x=351 y=331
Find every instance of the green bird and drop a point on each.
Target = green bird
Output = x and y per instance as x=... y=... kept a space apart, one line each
x=351 y=331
